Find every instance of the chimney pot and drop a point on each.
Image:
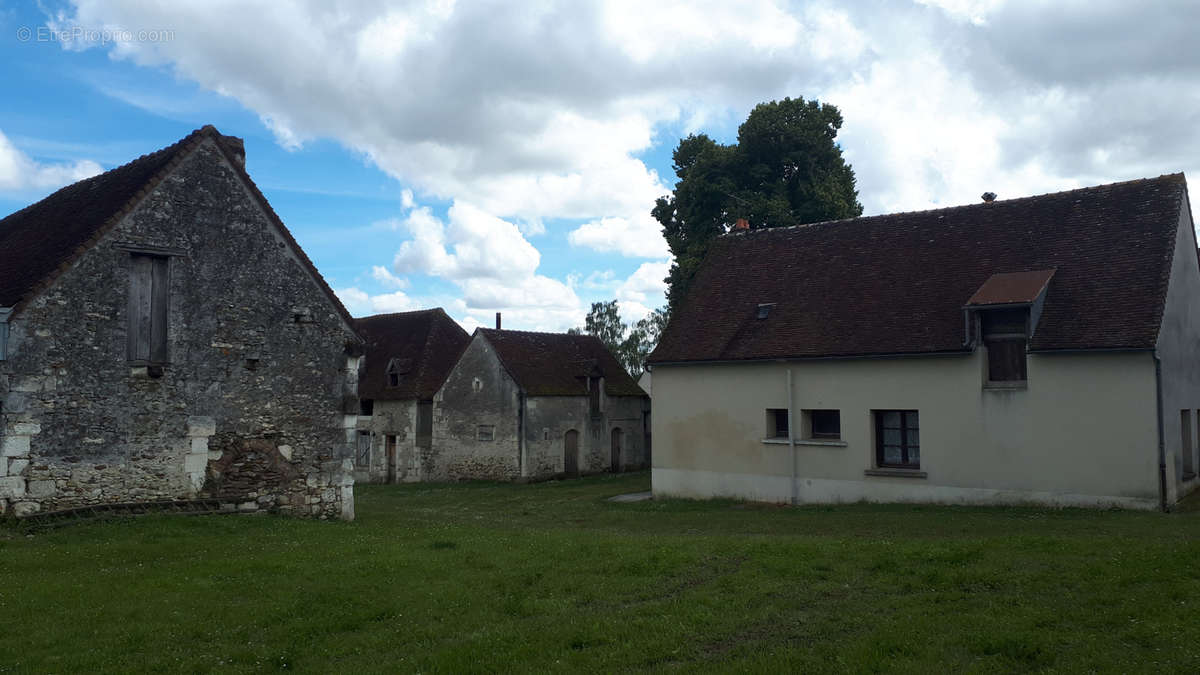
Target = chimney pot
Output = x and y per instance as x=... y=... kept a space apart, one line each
x=741 y=224
x=497 y=320
x=989 y=197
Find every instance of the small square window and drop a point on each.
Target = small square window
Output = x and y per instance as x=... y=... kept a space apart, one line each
x=824 y=424
x=366 y=407
x=485 y=432
x=777 y=423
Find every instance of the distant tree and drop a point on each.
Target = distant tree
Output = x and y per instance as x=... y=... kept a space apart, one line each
x=785 y=169
x=643 y=337
x=631 y=344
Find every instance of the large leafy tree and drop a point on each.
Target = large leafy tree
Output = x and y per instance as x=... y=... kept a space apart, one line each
x=785 y=169
x=630 y=343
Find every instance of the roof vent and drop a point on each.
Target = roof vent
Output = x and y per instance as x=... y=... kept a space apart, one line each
x=989 y=197
x=764 y=309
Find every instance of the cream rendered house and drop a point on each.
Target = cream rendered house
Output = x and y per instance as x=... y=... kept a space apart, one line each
x=1037 y=350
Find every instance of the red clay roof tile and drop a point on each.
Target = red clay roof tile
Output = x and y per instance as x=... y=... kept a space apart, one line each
x=426 y=345
x=896 y=284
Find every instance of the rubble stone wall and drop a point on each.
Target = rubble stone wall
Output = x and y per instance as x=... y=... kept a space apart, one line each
x=256 y=402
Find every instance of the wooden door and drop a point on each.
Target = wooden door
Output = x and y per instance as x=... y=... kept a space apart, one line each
x=391 y=458
x=615 y=461
x=571 y=453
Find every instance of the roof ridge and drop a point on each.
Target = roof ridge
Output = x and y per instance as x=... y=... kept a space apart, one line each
x=413 y=312
x=537 y=332
x=745 y=233
x=135 y=160
x=176 y=151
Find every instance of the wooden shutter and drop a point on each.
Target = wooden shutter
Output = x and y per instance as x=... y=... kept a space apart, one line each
x=149 y=294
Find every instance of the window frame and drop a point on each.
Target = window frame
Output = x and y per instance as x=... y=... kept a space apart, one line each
x=811 y=419
x=363 y=450
x=906 y=462
x=774 y=417
x=997 y=357
x=5 y=312
x=156 y=310
x=488 y=430
x=1004 y=331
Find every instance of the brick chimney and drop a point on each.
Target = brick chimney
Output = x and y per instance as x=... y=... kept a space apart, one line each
x=741 y=224
x=497 y=320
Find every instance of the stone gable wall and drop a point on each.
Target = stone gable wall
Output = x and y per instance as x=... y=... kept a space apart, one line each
x=478 y=391
x=258 y=371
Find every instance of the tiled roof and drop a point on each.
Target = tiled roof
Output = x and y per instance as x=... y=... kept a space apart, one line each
x=44 y=238
x=897 y=284
x=424 y=344
x=1005 y=288
x=558 y=364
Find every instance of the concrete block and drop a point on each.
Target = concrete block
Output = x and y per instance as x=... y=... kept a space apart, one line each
x=41 y=488
x=200 y=445
x=12 y=487
x=15 y=446
x=201 y=426
x=16 y=466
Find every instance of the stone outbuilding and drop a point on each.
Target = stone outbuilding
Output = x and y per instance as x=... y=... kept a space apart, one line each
x=524 y=405
x=163 y=337
x=408 y=356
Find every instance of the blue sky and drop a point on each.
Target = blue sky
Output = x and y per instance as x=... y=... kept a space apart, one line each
x=485 y=159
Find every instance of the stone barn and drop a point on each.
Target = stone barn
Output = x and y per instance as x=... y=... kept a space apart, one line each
x=524 y=405
x=163 y=337
x=408 y=356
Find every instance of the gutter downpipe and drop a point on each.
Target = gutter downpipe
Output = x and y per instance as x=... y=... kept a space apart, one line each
x=792 y=434
x=1162 y=451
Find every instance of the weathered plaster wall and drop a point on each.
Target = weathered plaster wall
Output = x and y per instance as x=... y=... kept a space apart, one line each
x=1178 y=346
x=551 y=417
x=399 y=419
x=477 y=392
x=1082 y=433
x=247 y=385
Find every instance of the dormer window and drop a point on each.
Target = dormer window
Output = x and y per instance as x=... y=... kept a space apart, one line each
x=1005 y=310
x=393 y=373
x=1005 y=336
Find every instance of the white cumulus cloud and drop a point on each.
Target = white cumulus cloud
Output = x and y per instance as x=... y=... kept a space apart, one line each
x=20 y=172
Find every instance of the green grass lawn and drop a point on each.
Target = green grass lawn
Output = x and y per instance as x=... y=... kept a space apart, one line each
x=552 y=577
